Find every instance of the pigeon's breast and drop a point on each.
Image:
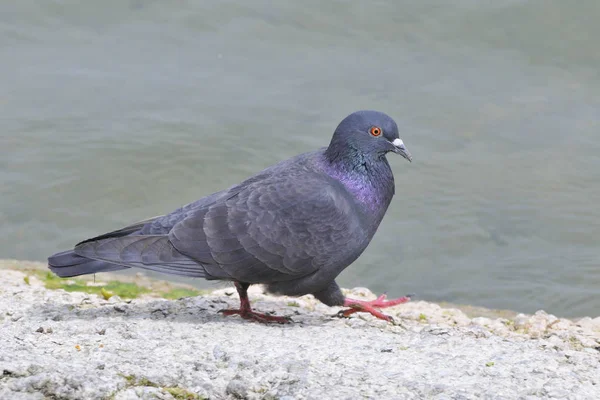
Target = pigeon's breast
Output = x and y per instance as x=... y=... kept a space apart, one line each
x=361 y=190
x=372 y=191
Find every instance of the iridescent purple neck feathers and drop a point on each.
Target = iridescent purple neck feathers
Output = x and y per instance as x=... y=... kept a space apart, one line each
x=370 y=182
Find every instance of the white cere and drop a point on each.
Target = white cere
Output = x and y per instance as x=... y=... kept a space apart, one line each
x=398 y=142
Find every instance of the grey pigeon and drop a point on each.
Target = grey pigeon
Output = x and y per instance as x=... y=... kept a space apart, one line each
x=292 y=227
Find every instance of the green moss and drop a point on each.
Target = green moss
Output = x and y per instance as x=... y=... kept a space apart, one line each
x=146 y=382
x=575 y=342
x=26 y=279
x=125 y=290
x=122 y=289
x=182 y=394
x=293 y=304
x=177 y=392
x=178 y=293
x=422 y=317
x=133 y=380
x=489 y=364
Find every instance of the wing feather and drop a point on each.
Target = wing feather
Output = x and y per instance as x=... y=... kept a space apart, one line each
x=275 y=229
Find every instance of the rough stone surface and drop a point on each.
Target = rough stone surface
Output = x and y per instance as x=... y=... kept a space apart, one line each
x=60 y=345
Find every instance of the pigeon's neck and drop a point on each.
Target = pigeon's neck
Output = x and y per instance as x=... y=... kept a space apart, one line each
x=369 y=180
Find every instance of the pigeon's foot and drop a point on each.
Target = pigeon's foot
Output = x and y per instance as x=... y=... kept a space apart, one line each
x=372 y=306
x=245 y=311
x=254 y=316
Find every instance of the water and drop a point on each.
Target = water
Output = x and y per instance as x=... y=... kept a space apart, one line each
x=116 y=111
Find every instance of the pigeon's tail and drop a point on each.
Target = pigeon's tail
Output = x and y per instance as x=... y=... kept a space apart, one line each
x=151 y=252
x=67 y=264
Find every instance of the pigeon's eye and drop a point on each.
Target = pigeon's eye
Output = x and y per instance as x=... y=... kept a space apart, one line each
x=375 y=131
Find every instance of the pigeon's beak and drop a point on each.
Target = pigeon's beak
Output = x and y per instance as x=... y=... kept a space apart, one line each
x=399 y=148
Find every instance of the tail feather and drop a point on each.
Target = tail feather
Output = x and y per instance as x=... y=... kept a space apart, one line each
x=122 y=249
x=152 y=252
x=67 y=264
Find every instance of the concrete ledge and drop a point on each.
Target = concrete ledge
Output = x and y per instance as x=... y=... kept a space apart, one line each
x=76 y=345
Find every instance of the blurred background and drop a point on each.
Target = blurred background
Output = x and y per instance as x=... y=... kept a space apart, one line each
x=115 y=111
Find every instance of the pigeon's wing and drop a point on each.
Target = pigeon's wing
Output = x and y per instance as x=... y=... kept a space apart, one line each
x=128 y=230
x=162 y=225
x=145 y=244
x=275 y=229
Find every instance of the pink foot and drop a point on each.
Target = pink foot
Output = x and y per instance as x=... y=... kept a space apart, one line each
x=245 y=311
x=371 y=306
x=254 y=316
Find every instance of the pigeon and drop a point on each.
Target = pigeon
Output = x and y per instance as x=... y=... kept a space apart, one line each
x=294 y=227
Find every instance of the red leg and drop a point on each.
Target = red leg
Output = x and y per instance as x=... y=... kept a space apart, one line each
x=245 y=311
x=371 y=306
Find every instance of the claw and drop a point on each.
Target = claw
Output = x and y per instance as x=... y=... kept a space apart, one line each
x=245 y=311
x=254 y=316
x=372 y=307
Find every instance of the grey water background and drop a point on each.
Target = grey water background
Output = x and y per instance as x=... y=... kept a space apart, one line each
x=115 y=111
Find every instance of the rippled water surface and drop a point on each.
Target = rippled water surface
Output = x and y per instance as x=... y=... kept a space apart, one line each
x=111 y=112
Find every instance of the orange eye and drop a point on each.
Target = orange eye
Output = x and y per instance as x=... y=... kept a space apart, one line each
x=375 y=131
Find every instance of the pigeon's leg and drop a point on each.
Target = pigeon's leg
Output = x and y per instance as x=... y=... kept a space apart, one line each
x=371 y=306
x=245 y=311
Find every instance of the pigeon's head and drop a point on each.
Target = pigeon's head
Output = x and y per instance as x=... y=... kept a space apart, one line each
x=368 y=134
